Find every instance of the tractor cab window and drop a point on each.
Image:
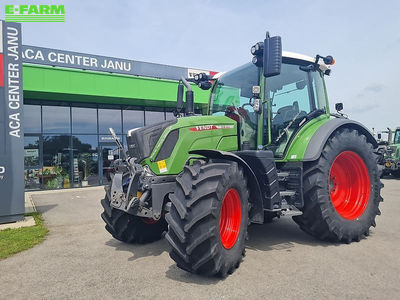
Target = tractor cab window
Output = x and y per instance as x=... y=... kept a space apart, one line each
x=231 y=97
x=397 y=137
x=292 y=95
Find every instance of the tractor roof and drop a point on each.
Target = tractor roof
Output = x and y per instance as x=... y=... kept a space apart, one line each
x=298 y=56
x=293 y=55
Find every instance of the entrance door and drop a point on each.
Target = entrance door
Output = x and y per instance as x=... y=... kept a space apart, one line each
x=33 y=148
x=108 y=152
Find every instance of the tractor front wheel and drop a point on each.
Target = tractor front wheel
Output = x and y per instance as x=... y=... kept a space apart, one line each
x=208 y=218
x=131 y=229
x=341 y=189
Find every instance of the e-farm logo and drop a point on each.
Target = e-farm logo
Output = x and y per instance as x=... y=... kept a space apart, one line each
x=34 y=13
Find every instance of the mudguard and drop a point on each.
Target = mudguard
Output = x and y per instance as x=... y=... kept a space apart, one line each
x=321 y=136
x=257 y=211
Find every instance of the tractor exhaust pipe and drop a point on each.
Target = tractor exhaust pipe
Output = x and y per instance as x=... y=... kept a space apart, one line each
x=189 y=98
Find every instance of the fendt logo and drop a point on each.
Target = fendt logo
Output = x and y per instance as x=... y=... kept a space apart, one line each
x=34 y=13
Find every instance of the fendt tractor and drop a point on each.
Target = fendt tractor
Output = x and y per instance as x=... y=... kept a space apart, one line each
x=390 y=152
x=267 y=147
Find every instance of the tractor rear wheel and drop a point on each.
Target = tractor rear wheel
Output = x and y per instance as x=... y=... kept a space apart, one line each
x=341 y=189
x=209 y=217
x=131 y=229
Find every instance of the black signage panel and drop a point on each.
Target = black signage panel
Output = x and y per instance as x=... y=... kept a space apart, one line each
x=69 y=59
x=12 y=206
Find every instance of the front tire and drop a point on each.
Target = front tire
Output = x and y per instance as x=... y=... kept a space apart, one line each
x=341 y=189
x=131 y=229
x=208 y=218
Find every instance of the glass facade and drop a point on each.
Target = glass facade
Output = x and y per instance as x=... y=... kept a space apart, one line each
x=69 y=145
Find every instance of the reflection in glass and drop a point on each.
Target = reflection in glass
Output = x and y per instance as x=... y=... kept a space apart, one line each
x=110 y=118
x=31 y=151
x=133 y=119
x=56 y=119
x=32 y=172
x=84 y=120
x=169 y=115
x=85 y=149
x=108 y=153
x=153 y=117
x=56 y=161
x=32 y=179
x=32 y=119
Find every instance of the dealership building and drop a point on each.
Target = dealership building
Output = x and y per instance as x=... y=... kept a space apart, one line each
x=72 y=99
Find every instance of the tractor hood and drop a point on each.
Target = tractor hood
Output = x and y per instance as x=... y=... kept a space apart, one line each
x=141 y=141
x=165 y=147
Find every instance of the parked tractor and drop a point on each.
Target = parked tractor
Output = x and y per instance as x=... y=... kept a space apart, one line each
x=267 y=147
x=390 y=153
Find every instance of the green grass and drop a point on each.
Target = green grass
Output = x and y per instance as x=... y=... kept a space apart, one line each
x=16 y=240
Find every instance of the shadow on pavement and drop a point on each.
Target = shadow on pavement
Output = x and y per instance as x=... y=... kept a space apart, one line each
x=45 y=208
x=281 y=235
x=138 y=251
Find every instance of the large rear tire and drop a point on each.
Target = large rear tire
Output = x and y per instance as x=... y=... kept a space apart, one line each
x=341 y=189
x=131 y=229
x=208 y=218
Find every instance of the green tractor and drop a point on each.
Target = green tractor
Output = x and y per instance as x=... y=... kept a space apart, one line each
x=267 y=147
x=391 y=154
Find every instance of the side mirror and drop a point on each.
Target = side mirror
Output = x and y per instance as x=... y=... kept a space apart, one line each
x=339 y=106
x=379 y=136
x=272 y=57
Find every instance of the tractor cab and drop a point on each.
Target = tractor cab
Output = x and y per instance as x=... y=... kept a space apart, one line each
x=288 y=101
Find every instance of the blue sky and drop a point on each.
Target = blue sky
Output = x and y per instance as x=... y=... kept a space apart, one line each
x=363 y=37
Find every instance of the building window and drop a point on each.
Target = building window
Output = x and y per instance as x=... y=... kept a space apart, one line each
x=33 y=171
x=153 y=116
x=169 y=115
x=84 y=120
x=133 y=119
x=56 y=161
x=72 y=147
x=56 y=119
x=32 y=119
x=110 y=118
x=85 y=151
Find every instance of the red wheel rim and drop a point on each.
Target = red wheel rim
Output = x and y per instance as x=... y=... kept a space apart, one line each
x=230 y=218
x=149 y=221
x=349 y=185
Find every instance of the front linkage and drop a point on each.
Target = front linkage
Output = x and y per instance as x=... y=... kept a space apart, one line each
x=135 y=189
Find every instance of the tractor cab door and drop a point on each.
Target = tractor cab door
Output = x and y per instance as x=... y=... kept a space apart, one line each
x=232 y=96
x=289 y=99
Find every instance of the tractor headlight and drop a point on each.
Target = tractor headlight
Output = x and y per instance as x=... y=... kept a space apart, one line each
x=257 y=60
x=257 y=49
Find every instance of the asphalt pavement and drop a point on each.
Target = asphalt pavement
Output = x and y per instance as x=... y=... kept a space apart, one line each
x=79 y=259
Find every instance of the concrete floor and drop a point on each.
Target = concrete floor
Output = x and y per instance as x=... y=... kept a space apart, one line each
x=80 y=259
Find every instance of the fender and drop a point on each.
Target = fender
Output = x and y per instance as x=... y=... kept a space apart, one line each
x=321 y=136
x=256 y=214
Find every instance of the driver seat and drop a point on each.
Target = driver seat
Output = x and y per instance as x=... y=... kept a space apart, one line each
x=285 y=114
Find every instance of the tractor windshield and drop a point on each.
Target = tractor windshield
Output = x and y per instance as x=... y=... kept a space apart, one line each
x=231 y=97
